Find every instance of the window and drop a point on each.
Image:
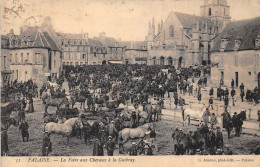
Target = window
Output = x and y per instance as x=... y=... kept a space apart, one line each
x=68 y=63
x=171 y=31
x=95 y=54
x=76 y=63
x=16 y=58
x=71 y=63
x=27 y=58
x=81 y=63
x=209 y=11
x=22 y=58
x=249 y=73
x=4 y=62
x=54 y=63
x=83 y=56
x=154 y=61
x=38 y=58
x=162 y=60
x=170 y=61
x=11 y=58
x=236 y=60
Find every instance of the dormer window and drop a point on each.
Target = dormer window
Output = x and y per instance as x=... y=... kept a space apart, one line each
x=257 y=42
x=224 y=42
x=237 y=43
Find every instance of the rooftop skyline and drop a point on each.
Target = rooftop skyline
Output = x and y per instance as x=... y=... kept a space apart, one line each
x=127 y=20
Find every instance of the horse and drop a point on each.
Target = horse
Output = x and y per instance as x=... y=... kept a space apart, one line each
x=56 y=102
x=80 y=99
x=7 y=109
x=50 y=118
x=133 y=133
x=157 y=112
x=45 y=95
x=67 y=112
x=6 y=123
x=65 y=129
x=195 y=114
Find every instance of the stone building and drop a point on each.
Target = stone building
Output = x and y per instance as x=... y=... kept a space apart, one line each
x=78 y=49
x=236 y=54
x=33 y=54
x=184 y=39
x=5 y=61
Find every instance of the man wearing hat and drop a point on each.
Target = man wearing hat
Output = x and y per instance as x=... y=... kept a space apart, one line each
x=112 y=131
x=212 y=141
x=133 y=149
x=147 y=149
x=24 y=130
x=110 y=146
x=153 y=138
x=98 y=148
x=213 y=120
x=102 y=134
x=237 y=123
x=174 y=135
x=4 y=143
x=219 y=138
x=46 y=144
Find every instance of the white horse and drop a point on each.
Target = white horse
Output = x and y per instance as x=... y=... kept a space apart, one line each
x=64 y=129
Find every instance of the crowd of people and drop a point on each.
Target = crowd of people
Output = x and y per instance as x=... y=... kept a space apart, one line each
x=136 y=84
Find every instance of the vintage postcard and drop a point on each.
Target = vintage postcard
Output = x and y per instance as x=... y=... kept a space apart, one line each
x=130 y=83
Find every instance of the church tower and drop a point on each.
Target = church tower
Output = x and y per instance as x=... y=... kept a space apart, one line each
x=151 y=34
x=216 y=10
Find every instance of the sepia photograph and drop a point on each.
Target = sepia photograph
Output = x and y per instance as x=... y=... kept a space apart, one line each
x=129 y=78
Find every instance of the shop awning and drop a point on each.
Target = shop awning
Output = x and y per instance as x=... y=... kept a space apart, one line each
x=115 y=62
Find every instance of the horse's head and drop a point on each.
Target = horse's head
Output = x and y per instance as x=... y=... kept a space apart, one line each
x=13 y=121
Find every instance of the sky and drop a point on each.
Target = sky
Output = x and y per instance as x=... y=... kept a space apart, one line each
x=124 y=19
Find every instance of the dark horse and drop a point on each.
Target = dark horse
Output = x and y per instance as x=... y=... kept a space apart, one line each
x=7 y=110
x=56 y=102
x=228 y=122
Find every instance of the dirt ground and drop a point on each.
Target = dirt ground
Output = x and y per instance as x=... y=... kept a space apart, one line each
x=77 y=147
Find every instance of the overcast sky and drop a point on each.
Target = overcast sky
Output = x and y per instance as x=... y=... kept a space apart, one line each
x=125 y=19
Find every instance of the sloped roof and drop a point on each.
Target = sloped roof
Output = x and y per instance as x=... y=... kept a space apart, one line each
x=133 y=44
x=187 y=20
x=93 y=42
x=109 y=41
x=70 y=36
x=245 y=30
x=37 y=39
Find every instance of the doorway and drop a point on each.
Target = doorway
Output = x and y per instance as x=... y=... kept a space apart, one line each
x=179 y=63
x=236 y=75
x=104 y=62
x=222 y=76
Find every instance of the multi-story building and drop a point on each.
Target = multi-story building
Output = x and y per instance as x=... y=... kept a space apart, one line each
x=33 y=54
x=78 y=49
x=5 y=61
x=184 y=39
x=236 y=54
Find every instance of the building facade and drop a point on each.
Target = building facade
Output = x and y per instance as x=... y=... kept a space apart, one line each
x=185 y=40
x=136 y=56
x=78 y=49
x=236 y=54
x=32 y=55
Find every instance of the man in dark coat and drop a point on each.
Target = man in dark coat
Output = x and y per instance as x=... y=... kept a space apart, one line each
x=110 y=146
x=98 y=148
x=46 y=144
x=133 y=149
x=233 y=93
x=232 y=83
x=24 y=130
x=4 y=143
x=237 y=122
x=176 y=99
x=211 y=92
x=211 y=102
x=219 y=138
x=31 y=108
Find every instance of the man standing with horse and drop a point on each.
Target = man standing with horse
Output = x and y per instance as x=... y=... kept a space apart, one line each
x=227 y=122
x=24 y=129
x=46 y=144
x=237 y=122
